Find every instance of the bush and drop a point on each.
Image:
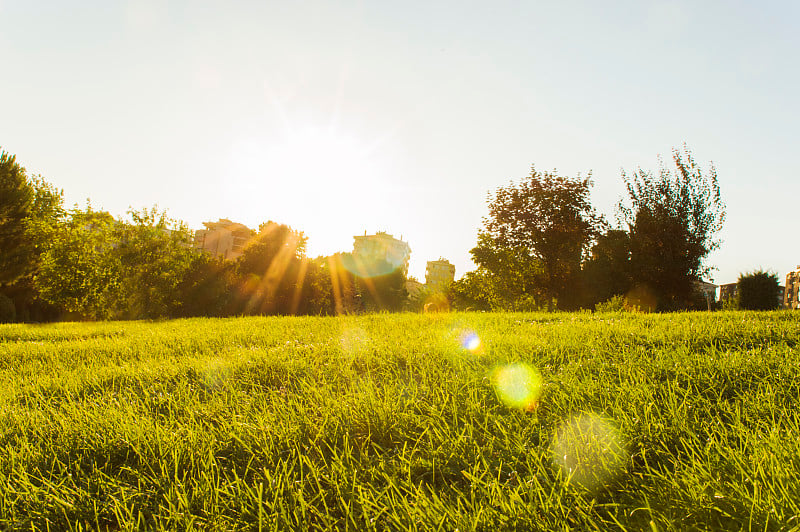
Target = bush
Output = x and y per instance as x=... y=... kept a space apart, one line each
x=758 y=290
x=8 y=312
x=615 y=304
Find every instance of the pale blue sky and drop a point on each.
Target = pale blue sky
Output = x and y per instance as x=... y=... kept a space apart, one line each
x=341 y=117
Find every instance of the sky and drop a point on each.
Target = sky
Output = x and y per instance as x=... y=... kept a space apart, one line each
x=344 y=117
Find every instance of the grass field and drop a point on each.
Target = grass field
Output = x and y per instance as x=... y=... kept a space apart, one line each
x=404 y=422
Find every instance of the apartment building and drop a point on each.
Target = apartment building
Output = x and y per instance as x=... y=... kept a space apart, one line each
x=439 y=274
x=382 y=246
x=224 y=238
x=790 y=292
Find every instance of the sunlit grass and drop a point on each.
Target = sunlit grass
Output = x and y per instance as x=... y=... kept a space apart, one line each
x=402 y=422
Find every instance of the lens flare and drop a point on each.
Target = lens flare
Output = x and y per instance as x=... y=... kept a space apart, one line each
x=470 y=341
x=589 y=451
x=353 y=341
x=215 y=375
x=436 y=302
x=518 y=385
x=382 y=256
x=641 y=298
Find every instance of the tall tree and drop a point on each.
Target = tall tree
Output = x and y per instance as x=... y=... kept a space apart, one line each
x=673 y=219
x=506 y=279
x=272 y=269
x=16 y=199
x=758 y=290
x=607 y=271
x=549 y=219
x=154 y=254
x=79 y=271
x=30 y=211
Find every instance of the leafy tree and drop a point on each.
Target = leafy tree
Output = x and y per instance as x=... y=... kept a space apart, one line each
x=606 y=273
x=272 y=271
x=45 y=216
x=546 y=219
x=79 y=271
x=758 y=290
x=16 y=199
x=154 y=255
x=97 y=267
x=506 y=279
x=672 y=219
x=207 y=287
x=383 y=292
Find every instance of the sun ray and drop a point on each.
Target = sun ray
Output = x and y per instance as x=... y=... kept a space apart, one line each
x=335 y=284
x=367 y=280
x=298 y=287
x=263 y=296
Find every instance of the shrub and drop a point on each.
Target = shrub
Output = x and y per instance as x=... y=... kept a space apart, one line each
x=758 y=290
x=615 y=304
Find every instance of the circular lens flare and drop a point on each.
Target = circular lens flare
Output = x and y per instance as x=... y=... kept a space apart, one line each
x=470 y=341
x=518 y=385
x=353 y=341
x=589 y=451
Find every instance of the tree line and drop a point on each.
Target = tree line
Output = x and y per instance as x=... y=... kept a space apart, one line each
x=541 y=246
x=83 y=263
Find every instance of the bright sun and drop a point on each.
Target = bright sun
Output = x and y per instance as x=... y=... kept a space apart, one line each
x=322 y=180
x=316 y=155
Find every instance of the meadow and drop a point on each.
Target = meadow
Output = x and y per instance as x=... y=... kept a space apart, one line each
x=456 y=421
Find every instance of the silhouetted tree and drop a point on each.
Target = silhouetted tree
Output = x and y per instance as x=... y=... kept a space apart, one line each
x=272 y=271
x=383 y=292
x=672 y=219
x=207 y=287
x=548 y=219
x=336 y=285
x=758 y=290
x=607 y=271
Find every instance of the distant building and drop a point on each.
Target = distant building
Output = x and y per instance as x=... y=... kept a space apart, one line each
x=790 y=297
x=382 y=246
x=709 y=290
x=224 y=238
x=728 y=291
x=439 y=274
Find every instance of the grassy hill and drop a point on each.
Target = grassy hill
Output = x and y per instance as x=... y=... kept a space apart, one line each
x=403 y=422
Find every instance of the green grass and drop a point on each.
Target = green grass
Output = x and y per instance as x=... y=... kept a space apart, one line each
x=384 y=422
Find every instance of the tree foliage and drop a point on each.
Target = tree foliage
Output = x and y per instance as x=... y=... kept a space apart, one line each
x=546 y=219
x=16 y=199
x=607 y=271
x=79 y=271
x=507 y=278
x=154 y=255
x=672 y=219
x=758 y=290
x=272 y=271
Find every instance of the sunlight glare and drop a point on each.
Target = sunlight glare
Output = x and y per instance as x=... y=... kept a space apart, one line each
x=589 y=451
x=470 y=341
x=321 y=156
x=518 y=385
x=353 y=341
